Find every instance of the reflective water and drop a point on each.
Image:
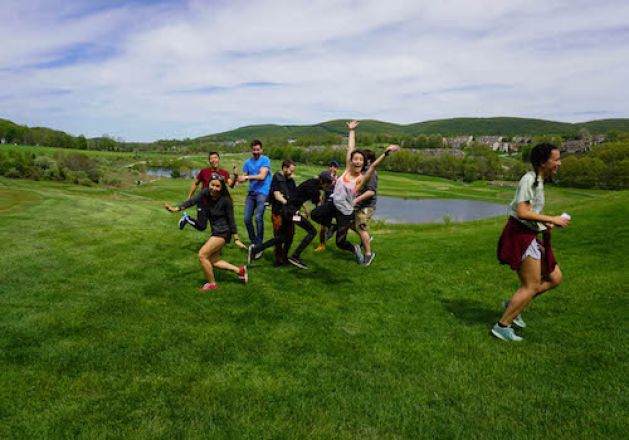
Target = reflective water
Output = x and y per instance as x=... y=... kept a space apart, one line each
x=167 y=172
x=395 y=210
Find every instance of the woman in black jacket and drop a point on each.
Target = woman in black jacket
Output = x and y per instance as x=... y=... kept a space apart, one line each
x=220 y=213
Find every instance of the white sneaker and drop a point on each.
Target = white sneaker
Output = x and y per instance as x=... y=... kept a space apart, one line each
x=505 y=333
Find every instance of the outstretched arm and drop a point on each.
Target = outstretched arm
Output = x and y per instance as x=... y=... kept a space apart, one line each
x=193 y=201
x=351 y=142
x=365 y=177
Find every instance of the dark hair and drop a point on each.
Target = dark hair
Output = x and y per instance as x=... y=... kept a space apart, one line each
x=255 y=142
x=539 y=155
x=224 y=190
x=369 y=156
x=357 y=152
x=334 y=164
x=325 y=177
x=287 y=163
x=211 y=153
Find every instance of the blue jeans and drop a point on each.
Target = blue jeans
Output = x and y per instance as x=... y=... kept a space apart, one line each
x=255 y=203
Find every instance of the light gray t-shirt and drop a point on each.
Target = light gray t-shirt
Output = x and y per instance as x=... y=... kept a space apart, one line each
x=527 y=193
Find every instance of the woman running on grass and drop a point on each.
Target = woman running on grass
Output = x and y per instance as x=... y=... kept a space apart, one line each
x=345 y=191
x=519 y=247
x=220 y=213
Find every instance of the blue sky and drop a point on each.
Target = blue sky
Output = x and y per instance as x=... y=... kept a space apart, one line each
x=148 y=69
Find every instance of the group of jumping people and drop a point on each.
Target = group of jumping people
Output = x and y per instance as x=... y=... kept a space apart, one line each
x=340 y=203
x=347 y=202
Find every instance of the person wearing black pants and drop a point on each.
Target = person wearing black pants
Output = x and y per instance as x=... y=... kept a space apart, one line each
x=291 y=215
x=347 y=186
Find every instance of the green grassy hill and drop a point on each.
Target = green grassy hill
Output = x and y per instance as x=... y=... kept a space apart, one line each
x=504 y=126
x=103 y=333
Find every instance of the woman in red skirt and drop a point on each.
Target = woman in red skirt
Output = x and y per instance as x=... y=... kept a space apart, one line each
x=519 y=246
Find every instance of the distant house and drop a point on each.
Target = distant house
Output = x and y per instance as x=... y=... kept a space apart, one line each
x=576 y=146
x=521 y=140
x=599 y=138
x=488 y=140
x=458 y=141
x=503 y=147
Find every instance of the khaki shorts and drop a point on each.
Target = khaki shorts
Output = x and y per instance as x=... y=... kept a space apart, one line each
x=362 y=217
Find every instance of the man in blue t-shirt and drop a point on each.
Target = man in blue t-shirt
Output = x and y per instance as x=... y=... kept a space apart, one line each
x=257 y=170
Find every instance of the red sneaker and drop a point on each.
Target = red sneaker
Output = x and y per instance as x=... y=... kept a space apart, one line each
x=243 y=275
x=208 y=286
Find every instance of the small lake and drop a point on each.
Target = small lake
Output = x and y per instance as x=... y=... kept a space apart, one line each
x=167 y=172
x=395 y=210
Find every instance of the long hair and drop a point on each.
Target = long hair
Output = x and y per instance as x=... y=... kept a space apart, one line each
x=539 y=155
x=224 y=191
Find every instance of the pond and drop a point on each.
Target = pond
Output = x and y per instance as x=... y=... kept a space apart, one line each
x=395 y=210
x=167 y=172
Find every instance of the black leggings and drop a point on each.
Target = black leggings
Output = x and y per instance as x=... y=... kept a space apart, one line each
x=285 y=236
x=200 y=223
x=324 y=213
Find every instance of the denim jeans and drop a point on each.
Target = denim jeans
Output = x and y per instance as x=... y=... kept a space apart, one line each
x=254 y=203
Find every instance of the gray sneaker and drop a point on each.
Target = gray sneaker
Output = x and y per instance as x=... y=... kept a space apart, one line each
x=250 y=253
x=505 y=333
x=518 y=319
x=358 y=254
x=369 y=258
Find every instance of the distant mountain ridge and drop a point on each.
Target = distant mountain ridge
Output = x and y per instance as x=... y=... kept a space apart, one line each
x=504 y=126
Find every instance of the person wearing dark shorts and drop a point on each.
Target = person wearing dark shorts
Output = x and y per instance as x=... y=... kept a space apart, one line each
x=203 y=178
x=282 y=188
x=220 y=213
x=291 y=215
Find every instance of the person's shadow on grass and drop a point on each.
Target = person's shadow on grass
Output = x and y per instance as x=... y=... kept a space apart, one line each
x=470 y=312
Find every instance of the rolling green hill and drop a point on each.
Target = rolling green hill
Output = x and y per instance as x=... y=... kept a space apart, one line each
x=505 y=126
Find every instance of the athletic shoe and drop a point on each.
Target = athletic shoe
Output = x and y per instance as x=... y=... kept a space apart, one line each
x=518 y=319
x=297 y=262
x=250 y=253
x=358 y=254
x=183 y=221
x=320 y=248
x=330 y=232
x=243 y=275
x=505 y=333
x=208 y=286
x=369 y=258
x=258 y=255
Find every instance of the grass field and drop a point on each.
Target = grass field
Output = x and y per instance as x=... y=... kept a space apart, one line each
x=103 y=333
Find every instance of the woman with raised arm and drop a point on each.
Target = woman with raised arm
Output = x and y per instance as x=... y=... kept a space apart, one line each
x=347 y=187
x=220 y=213
x=519 y=247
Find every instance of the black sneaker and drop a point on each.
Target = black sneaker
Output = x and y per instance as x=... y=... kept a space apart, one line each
x=297 y=262
x=369 y=258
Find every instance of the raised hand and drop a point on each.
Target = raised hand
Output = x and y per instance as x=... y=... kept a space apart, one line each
x=352 y=124
x=391 y=149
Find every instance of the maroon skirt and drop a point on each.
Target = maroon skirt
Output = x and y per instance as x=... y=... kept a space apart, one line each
x=516 y=238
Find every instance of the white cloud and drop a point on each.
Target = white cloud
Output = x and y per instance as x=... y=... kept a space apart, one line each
x=132 y=70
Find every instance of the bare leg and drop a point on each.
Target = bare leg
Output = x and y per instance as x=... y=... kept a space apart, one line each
x=364 y=238
x=211 y=247
x=530 y=281
x=222 y=264
x=549 y=280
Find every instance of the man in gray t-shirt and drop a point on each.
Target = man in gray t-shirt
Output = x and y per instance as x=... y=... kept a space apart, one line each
x=364 y=207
